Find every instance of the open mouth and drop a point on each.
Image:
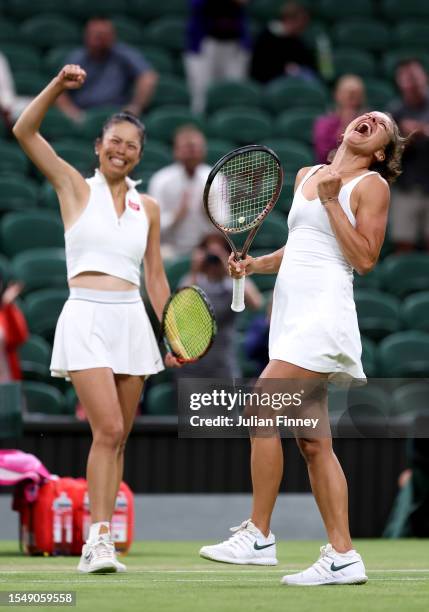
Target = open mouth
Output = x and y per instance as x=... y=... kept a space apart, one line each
x=116 y=161
x=364 y=128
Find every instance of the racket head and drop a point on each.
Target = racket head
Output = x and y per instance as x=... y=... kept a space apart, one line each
x=188 y=324
x=242 y=188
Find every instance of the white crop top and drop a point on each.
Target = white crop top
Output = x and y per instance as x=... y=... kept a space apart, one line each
x=100 y=241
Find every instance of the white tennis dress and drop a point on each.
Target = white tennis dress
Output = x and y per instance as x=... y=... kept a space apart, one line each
x=314 y=323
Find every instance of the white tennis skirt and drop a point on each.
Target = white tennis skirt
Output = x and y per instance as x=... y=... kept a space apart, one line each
x=105 y=329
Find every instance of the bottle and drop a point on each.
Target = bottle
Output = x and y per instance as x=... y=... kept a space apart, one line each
x=119 y=524
x=324 y=57
x=62 y=508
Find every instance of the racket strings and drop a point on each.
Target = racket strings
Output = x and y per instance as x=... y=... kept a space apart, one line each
x=243 y=189
x=188 y=325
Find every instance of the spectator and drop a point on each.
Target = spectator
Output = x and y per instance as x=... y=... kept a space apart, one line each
x=11 y=105
x=409 y=213
x=328 y=129
x=218 y=43
x=280 y=50
x=13 y=331
x=117 y=75
x=210 y=272
x=178 y=189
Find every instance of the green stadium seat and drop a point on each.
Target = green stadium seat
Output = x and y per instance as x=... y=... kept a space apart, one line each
x=371 y=400
x=40 y=268
x=128 y=30
x=156 y=155
x=353 y=61
x=94 y=121
x=168 y=31
x=369 y=357
x=413 y=34
x=23 y=9
x=397 y=10
x=379 y=93
x=264 y=282
x=365 y=34
x=176 y=269
x=170 y=88
x=332 y=10
x=12 y=158
x=55 y=59
x=71 y=401
x=4 y=268
x=29 y=83
x=161 y=123
x=8 y=32
x=34 y=358
x=17 y=193
x=77 y=153
x=226 y=94
x=296 y=124
x=378 y=313
x=21 y=231
x=57 y=126
x=265 y=10
x=48 y=198
x=160 y=59
x=410 y=399
x=42 y=308
x=217 y=148
x=272 y=233
x=244 y=125
x=404 y=354
x=292 y=153
x=415 y=311
x=21 y=57
x=372 y=280
x=148 y=10
x=10 y=413
x=42 y=398
x=84 y=10
x=288 y=93
x=405 y=274
x=161 y=399
x=50 y=30
x=284 y=202
x=392 y=58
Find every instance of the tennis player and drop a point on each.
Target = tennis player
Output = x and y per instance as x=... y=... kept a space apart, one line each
x=103 y=341
x=337 y=224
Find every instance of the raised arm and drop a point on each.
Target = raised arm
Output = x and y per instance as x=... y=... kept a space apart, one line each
x=70 y=186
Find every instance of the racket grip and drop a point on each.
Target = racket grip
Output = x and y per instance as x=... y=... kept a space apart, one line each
x=238 y=294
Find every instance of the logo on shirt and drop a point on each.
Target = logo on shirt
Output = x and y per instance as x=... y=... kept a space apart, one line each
x=133 y=205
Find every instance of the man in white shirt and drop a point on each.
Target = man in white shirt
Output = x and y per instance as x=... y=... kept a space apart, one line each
x=179 y=188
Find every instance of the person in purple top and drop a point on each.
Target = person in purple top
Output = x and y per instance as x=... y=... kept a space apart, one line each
x=117 y=74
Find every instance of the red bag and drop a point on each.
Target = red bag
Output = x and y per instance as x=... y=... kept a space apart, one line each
x=57 y=521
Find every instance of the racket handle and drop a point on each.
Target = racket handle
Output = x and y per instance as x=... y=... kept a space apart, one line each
x=238 y=294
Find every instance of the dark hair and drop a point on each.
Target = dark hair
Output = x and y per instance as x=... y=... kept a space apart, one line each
x=130 y=118
x=390 y=168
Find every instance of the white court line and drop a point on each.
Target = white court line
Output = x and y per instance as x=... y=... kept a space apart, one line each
x=103 y=581
x=231 y=571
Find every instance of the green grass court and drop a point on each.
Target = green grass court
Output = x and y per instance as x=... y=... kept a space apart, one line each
x=171 y=576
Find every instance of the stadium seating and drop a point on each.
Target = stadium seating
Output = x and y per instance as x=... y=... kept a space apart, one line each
x=128 y=30
x=332 y=10
x=42 y=398
x=176 y=269
x=410 y=399
x=42 y=310
x=168 y=30
x=283 y=94
x=44 y=31
x=16 y=193
x=365 y=34
x=21 y=57
x=34 y=358
x=414 y=34
x=405 y=274
x=161 y=123
x=8 y=32
x=70 y=401
x=10 y=413
x=148 y=10
x=378 y=313
x=227 y=94
x=47 y=197
x=273 y=232
x=244 y=125
x=415 y=311
x=20 y=231
x=353 y=61
x=296 y=124
x=29 y=83
x=22 y=9
x=156 y=155
x=404 y=354
x=397 y=10
x=372 y=399
x=80 y=155
x=161 y=399
x=4 y=268
x=369 y=357
x=372 y=280
x=217 y=148
x=170 y=88
x=84 y=10
x=292 y=153
x=94 y=120
x=160 y=59
x=379 y=93
x=56 y=125
x=39 y=268
x=12 y=159
x=392 y=58
x=55 y=59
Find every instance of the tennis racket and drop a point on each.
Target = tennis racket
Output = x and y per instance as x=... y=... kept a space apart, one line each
x=241 y=189
x=188 y=324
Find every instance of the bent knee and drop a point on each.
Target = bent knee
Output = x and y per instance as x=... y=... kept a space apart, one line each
x=312 y=449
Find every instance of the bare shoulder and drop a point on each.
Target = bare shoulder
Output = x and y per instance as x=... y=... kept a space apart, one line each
x=300 y=175
x=151 y=206
x=374 y=185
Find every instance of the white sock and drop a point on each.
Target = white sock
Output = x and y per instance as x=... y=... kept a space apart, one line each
x=94 y=530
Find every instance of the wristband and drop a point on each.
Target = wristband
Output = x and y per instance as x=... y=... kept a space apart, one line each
x=324 y=202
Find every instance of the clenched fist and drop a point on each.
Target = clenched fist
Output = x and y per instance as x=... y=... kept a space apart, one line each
x=329 y=187
x=71 y=76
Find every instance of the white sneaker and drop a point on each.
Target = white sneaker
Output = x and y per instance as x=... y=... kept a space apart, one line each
x=99 y=557
x=248 y=546
x=331 y=568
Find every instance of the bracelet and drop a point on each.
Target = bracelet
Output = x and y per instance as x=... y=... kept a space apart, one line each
x=324 y=202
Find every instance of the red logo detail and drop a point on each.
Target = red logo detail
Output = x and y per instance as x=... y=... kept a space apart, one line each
x=133 y=205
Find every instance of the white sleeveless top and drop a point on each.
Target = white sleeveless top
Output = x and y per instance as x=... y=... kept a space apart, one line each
x=100 y=241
